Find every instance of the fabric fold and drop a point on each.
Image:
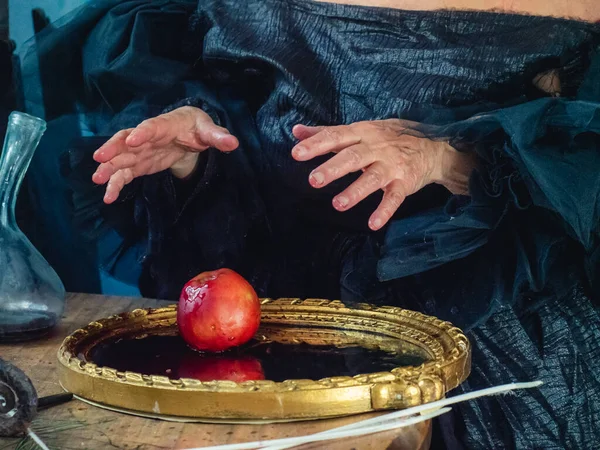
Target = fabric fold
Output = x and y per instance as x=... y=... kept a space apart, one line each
x=538 y=159
x=504 y=263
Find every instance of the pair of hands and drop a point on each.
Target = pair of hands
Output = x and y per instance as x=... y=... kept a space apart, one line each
x=397 y=163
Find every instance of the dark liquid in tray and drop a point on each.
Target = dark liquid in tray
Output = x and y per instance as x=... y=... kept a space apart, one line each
x=170 y=356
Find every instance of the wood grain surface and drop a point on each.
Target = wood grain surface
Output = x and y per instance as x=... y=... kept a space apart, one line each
x=76 y=425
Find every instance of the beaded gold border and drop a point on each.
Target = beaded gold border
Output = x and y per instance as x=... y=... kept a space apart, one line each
x=317 y=321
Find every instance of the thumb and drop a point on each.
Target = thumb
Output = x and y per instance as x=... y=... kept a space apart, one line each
x=211 y=135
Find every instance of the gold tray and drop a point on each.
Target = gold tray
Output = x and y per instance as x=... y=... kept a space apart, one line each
x=289 y=321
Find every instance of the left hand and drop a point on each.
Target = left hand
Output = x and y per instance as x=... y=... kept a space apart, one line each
x=400 y=164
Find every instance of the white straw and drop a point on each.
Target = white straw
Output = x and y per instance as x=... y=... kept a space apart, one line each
x=299 y=440
x=370 y=424
x=427 y=407
x=37 y=439
x=402 y=422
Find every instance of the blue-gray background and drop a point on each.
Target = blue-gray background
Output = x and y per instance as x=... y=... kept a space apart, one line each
x=50 y=229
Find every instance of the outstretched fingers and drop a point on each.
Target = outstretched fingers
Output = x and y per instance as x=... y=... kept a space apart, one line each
x=375 y=177
x=157 y=144
x=349 y=160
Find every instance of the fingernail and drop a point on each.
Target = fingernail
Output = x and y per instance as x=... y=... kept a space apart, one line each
x=299 y=152
x=376 y=223
x=221 y=134
x=221 y=139
x=341 y=202
x=317 y=178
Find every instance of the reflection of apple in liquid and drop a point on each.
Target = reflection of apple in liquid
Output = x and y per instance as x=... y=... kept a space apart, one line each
x=211 y=368
x=219 y=310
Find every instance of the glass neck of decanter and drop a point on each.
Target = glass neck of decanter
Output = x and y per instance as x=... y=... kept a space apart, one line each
x=22 y=138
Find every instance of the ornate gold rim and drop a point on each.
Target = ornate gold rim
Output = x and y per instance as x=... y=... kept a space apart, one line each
x=310 y=319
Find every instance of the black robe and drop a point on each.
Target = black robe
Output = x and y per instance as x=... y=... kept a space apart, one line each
x=515 y=264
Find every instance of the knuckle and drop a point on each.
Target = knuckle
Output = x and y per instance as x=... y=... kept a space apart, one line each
x=122 y=134
x=158 y=121
x=127 y=176
x=391 y=204
x=357 y=193
x=379 y=126
x=358 y=127
x=147 y=122
x=375 y=177
x=395 y=199
x=184 y=109
x=112 y=183
x=110 y=166
x=387 y=212
x=412 y=178
x=399 y=169
x=332 y=134
x=121 y=181
x=333 y=171
x=355 y=158
x=116 y=177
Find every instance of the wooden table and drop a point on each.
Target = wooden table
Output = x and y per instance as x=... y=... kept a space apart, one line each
x=77 y=425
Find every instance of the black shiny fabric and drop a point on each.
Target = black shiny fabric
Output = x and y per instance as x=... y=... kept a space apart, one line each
x=515 y=264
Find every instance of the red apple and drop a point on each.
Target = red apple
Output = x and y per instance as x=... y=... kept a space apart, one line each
x=222 y=368
x=218 y=310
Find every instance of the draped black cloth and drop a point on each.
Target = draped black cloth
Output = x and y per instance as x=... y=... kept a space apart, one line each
x=515 y=264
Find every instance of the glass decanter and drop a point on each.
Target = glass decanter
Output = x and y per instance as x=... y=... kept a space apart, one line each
x=32 y=295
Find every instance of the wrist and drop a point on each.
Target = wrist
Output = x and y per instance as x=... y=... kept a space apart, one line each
x=453 y=169
x=187 y=166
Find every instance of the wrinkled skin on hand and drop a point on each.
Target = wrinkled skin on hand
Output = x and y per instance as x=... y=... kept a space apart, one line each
x=170 y=141
x=392 y=160
x=397 y=162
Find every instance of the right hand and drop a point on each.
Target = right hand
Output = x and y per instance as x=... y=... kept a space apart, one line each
x=170 y=141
